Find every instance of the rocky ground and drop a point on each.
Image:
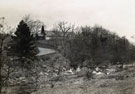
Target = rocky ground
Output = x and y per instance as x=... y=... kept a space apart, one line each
x=116 y=82
x=111 y=80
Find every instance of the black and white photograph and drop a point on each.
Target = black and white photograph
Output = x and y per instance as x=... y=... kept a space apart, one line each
x=67 y=46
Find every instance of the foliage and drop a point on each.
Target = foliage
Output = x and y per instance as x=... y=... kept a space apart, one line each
x=3 y=58
x=97 y=46
x=34 y=25
x=22 y=45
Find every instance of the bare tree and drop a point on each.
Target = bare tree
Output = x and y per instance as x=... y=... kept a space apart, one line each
x=63 y=31
x=4 y=29
x=34 y=25
x=64 y=28
x=3 y=34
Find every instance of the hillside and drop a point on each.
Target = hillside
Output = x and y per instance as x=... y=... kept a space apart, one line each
x=122 y=82
x=56 y=77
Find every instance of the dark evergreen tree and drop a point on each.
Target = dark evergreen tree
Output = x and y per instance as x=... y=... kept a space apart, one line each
x=43 y=32
x=23 y=43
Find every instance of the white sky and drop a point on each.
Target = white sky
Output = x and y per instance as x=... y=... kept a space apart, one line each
x=116 y=15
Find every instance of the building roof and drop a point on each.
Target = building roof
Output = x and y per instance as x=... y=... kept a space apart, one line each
x=40 y=35
x=49 y=33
